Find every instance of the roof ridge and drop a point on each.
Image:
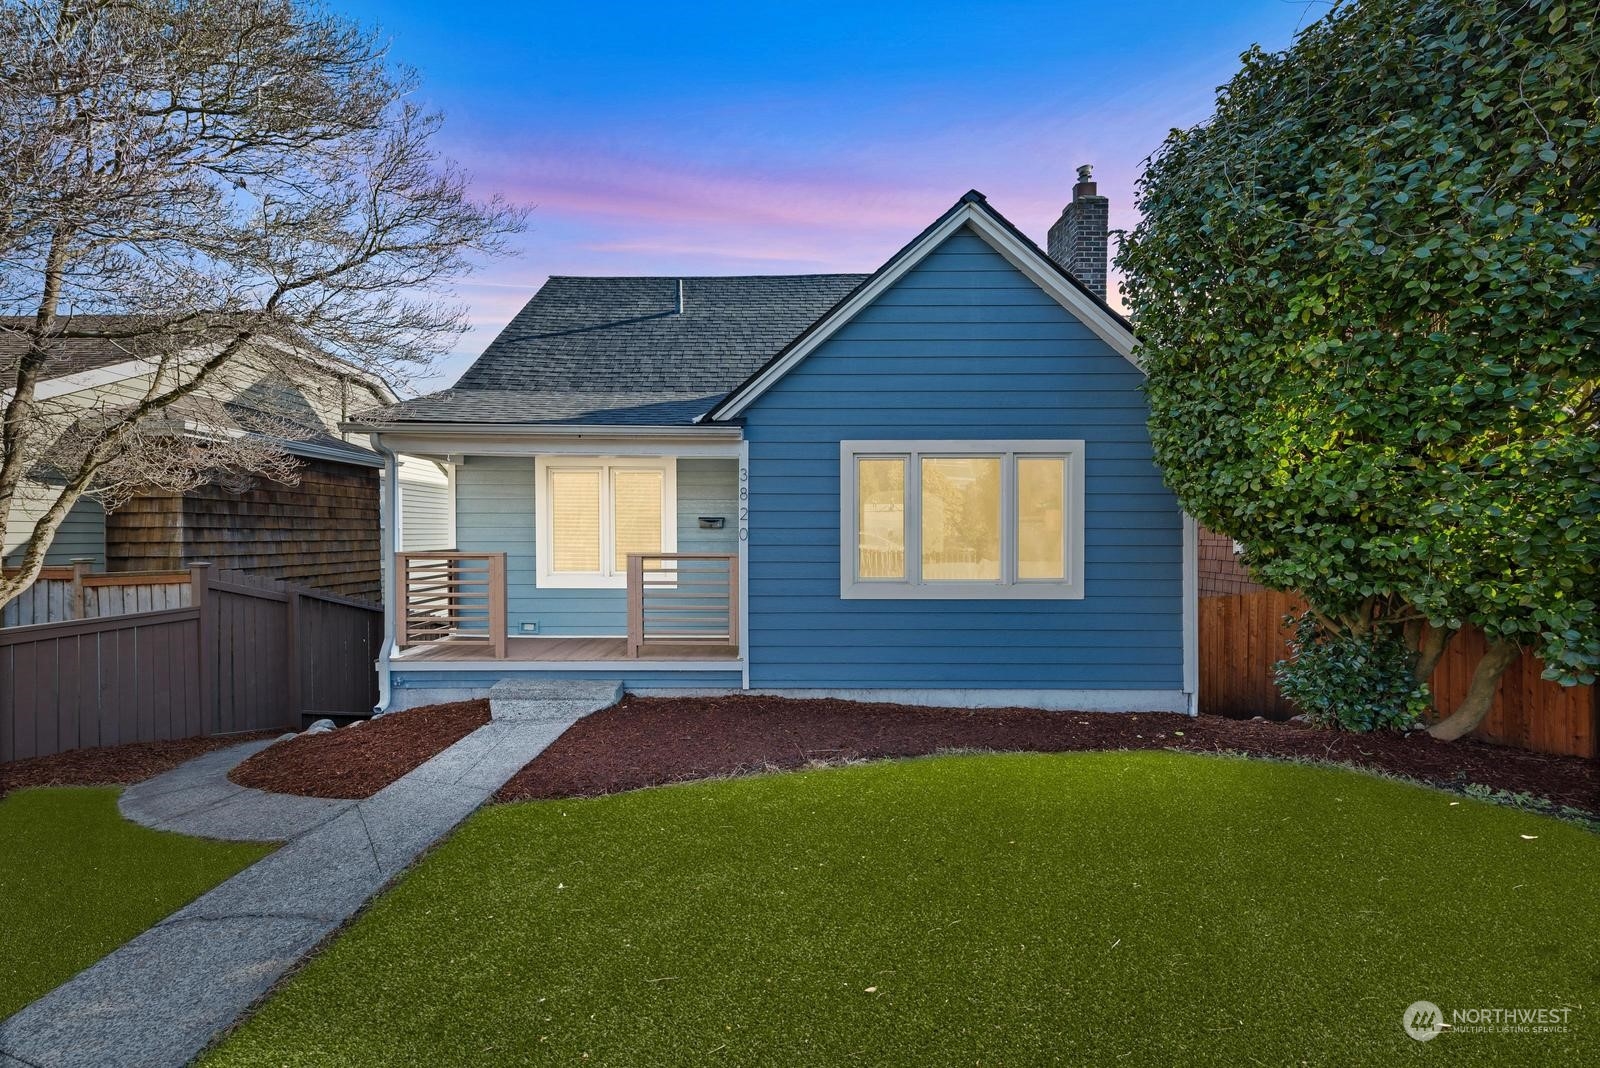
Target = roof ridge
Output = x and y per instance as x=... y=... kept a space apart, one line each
x=703 y=277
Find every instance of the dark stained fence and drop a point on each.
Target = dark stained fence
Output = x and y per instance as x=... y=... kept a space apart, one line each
x=244 y=655
x=99 y=682
x=1243 y=636
x=338 y=646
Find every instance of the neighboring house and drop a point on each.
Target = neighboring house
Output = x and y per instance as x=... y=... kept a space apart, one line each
x=322 y=531
x=933 y=483
x=1222 y=573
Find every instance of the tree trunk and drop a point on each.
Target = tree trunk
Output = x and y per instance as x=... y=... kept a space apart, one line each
x=1429 y=652
x=1480 y=695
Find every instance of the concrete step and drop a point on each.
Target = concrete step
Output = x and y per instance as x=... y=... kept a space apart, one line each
x=552 y=699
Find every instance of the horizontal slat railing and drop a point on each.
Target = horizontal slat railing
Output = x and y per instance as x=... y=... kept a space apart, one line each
x=682 y=599
x=446 y=595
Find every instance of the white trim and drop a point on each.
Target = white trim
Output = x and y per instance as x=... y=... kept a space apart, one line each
x=450 y=499
x=554 y=431
x=82 y=380
x=452 y=448
x=1028 y=261
x=1191 y=613
x=388 y=524
x=742 y=503
x=607 y=578
x=1049 y=700
x=615 y=666
x=1008 y=586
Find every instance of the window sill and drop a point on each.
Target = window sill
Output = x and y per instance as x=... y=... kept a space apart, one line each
x=886 y=591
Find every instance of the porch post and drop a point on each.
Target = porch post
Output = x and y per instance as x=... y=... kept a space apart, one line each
x=635 y=603
x=389 y=576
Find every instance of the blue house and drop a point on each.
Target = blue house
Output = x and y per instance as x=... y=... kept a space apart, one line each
x=930 y=484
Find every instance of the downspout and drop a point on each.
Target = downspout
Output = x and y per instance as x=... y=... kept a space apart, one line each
x=1191 y=613
x=388 y=525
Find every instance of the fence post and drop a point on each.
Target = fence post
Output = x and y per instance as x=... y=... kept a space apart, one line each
x=200 y=599
x=81 y=566
x=292 y=621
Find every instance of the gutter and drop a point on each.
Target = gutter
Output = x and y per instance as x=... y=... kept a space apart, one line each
x=313 y=451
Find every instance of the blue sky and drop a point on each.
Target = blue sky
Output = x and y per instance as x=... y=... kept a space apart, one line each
x=709 y=138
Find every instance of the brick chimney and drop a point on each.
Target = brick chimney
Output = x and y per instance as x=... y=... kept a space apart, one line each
x=1078 y=239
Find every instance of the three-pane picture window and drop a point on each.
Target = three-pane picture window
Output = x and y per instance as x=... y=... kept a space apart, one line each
x=961 y=519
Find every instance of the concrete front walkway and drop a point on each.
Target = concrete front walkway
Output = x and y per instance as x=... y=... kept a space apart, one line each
x=159 y=1000
x=197 y=798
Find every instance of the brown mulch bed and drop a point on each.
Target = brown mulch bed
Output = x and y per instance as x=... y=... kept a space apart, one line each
x=112 y=764
x=651 y=741
x=357 y=762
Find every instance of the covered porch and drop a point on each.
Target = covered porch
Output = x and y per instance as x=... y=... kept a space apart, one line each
x=452 y=607
x=576 y=551
x=557 y=651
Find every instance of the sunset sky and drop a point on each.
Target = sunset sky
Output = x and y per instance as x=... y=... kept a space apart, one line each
x=709 y=138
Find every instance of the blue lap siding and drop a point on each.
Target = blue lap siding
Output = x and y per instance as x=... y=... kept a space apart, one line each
x=963 y=346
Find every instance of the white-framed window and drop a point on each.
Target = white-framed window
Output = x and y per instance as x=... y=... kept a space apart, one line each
x=591 y=512
x=961 y=519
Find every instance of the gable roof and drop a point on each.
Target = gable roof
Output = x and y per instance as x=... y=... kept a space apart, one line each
x=973 y=211
x=622 y=352
x=270 y=407
x=127 y=339
x=70 y=356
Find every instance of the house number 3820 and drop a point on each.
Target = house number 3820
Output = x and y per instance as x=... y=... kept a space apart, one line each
x=744 y=503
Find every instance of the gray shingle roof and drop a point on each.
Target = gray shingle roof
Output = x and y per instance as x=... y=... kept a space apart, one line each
x=616 y=351
x=69 y=356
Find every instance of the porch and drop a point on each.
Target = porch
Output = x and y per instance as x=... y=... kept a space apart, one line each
x=569 y=651
x=682 y=609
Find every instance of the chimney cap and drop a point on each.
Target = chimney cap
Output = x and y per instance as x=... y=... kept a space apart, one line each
x=1086 y=185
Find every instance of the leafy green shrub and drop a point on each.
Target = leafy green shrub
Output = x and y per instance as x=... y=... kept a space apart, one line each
x=1356 y=682
x=1368 y=302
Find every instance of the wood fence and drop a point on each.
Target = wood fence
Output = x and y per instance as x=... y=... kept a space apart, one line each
x=74 y=592
x=1243 y=636
x=240 y=656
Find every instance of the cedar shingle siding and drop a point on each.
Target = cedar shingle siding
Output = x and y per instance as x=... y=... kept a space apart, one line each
x=321 y=533
x=1221 y=573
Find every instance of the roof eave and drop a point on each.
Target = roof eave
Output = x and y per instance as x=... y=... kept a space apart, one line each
x=548 y=430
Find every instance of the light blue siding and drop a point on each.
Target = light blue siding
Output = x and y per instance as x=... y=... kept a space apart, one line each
x=494 y=513
x=82 y=535
x=708 y=488
x=964 y=346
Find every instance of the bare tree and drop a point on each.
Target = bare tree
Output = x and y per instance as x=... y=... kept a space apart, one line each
x=199 y=182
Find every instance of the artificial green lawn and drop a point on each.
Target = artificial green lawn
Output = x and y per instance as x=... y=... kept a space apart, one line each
x=77 y=881
x=1104 y=909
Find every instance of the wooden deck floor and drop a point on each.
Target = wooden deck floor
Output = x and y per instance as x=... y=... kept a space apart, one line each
x=567 y=650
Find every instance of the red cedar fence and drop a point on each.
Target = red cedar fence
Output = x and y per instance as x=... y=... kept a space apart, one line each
x=1243 y=636
x=238 y=657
